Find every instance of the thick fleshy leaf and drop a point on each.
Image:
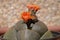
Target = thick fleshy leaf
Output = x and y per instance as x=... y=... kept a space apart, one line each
x=47 y=35
x=40 y=27
x=28 y=35
x=20 y=25
x=10 y=34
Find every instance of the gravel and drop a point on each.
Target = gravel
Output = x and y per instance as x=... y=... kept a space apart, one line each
x=10 y=11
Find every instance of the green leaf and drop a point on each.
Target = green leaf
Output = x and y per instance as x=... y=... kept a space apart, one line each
x=10 y=34
x=20 y=25
x=28 y=35
x=47 y=35
x=40 y=28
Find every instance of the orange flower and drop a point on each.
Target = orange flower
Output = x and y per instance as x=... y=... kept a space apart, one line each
x=34 y=7
x=26 y=16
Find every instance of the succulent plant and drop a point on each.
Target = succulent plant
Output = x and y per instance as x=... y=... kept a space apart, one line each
x=30 y=28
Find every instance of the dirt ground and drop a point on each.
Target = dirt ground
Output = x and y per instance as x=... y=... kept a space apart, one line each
x=10 y=11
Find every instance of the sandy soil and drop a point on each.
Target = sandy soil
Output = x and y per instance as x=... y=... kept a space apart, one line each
x=10 y=11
